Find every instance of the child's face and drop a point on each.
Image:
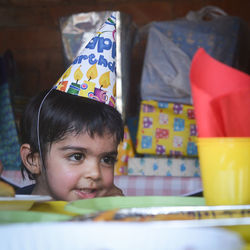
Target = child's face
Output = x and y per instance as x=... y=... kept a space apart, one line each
x=79 y=167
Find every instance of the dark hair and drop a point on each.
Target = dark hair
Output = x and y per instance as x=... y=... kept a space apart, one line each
x=63 y=113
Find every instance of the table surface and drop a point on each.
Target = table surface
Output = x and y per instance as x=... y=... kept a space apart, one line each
x=112 y=235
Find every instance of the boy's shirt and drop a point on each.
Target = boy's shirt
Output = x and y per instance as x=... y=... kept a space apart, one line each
x=26 y=189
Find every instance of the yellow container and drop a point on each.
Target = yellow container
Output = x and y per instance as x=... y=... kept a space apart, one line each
x=225 y=170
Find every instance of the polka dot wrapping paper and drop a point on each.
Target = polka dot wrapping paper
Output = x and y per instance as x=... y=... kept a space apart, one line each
x=164 y=166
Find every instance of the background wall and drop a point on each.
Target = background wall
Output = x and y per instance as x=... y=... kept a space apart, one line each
x=30 y=29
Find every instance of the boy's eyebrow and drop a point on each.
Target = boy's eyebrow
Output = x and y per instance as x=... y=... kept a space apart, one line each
x=115 y=152
x=112 y=152
x=72 y=148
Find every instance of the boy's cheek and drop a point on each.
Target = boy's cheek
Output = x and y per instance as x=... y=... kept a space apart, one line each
x=108 y=178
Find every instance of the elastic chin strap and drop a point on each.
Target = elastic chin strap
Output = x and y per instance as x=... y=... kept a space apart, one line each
x=38 y=128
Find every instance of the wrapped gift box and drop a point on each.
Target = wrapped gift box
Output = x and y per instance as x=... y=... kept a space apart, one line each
x=154 y=166
x=166 y=129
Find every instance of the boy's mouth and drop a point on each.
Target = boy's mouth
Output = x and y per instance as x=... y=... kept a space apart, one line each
x=86 y=193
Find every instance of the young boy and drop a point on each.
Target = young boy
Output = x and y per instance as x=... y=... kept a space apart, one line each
x=78 y=140
x=70 y=134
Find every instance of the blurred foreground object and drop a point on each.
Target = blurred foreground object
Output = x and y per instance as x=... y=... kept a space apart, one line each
x=6 y=189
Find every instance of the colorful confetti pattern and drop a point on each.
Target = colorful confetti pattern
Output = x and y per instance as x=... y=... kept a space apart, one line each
x=166 y=129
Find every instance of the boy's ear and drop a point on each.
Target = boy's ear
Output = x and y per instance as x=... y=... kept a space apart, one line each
x=31 y=162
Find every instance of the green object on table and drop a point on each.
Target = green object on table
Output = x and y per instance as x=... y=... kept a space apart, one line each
x=118 y=202
x=30 y=216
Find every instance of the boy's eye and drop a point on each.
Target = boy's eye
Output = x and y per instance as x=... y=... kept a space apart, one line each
x=109 y=160
x=76 y=157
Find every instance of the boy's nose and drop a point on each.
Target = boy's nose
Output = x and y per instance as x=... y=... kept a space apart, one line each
x=92 y=170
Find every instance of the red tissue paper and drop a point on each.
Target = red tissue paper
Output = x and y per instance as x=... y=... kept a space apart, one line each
x=221 y=98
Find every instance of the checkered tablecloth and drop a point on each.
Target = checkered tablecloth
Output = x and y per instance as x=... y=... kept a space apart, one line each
x=158 y=185
x=136 y=185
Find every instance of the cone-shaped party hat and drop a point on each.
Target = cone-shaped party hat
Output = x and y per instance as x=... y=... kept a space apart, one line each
x=93 y=72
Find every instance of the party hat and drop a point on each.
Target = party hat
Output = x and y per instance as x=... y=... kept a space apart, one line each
x=93 y=72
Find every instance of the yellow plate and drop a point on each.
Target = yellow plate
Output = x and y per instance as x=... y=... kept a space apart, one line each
x=51 y=207
x=21 y=202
